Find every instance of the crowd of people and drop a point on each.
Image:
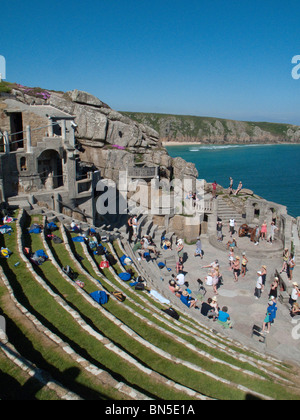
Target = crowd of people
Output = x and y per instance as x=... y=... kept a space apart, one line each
x=237 y=265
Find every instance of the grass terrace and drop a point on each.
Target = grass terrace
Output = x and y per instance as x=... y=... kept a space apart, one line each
x=122 y=350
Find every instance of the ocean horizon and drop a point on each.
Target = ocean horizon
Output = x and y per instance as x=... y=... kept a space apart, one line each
x=269 y=170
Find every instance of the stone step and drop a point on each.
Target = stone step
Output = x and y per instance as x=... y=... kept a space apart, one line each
x=20 y=203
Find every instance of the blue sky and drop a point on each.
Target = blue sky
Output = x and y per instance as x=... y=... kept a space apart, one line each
x=223 y=58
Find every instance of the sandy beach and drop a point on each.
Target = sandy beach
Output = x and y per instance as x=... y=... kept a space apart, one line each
x=181 y=143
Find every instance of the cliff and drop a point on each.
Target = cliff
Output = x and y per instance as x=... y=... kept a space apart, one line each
x=181 y=128
x=109 y=140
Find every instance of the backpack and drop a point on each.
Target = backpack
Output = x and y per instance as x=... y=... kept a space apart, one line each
x=111 y=259
x=69 y=272
x=57 y=240
x=171 y=312
x=140 y=286
x=100 y=250
x=119 y=296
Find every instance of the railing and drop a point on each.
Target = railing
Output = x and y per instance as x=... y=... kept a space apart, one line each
x=26 y=136
x=204 y=206
x=143 y=173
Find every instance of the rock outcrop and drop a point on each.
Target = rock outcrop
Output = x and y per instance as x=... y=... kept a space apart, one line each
x=110 y=140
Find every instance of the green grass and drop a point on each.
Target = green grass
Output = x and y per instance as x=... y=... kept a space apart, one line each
x=51 y=314
x=198 y=127
x=19 y=383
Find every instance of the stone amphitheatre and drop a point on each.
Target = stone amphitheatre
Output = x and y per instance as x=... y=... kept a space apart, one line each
x=57 y=342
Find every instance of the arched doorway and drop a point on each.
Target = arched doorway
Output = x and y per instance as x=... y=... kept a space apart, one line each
x=50 y=170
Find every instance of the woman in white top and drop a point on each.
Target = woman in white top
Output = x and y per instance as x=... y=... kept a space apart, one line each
x=209 y=279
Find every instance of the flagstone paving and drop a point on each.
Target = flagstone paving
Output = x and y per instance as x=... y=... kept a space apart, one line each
x=244 y=309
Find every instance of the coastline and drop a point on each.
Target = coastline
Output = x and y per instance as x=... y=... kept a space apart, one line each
x=210 y=161
x=182 y=143
x=193 y=143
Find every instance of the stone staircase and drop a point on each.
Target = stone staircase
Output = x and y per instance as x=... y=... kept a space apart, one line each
x=226 y=211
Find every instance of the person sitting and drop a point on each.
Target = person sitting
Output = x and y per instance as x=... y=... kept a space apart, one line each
x=240 y=186
x=147 y=247
x=206 y=307
x=75 y=228
x=166 y=244
x=224 y=318
x=180 y=279
x=295 y=311
x=187 y=300
x=231 y=244
x=178 y=291
x=179 y=267
x=172 y=286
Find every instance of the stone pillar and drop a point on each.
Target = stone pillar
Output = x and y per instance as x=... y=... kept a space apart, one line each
x=50 y=128
x=28 y=138
x=287 y=228
x=57 y=200
x=213 y=218
x=6 y=143
x=63 y=130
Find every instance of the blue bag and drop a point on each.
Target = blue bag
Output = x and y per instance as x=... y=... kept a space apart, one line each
x=125 y=276
x=52 y=226
x=35 y=230
x=41 y=253
x=161 y=265
x=100 y=297
x=78 y=239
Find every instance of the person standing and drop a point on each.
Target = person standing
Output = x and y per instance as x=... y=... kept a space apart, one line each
x=263 y=231
x=130 y=229
x=273 y=230
x=214 y=189
x=230 y=186
x=215 y=279
x=264 y=277
x=267 y=321
x=295 y=294
x=231 y=259
x=198 y=252
x=236 y=269
x=258 y=287
x=286 y=256
x=231 y=226
x=244 y=264
x=135 y=226
x=274 y=289
x=219 y=231
x=291 y=265
x=257 y=235
x=180 y=250
x=273 y=309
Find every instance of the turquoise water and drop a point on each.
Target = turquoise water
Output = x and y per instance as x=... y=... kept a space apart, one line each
x=271 y=171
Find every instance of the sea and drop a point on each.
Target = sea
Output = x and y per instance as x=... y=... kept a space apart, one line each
x=270 y=171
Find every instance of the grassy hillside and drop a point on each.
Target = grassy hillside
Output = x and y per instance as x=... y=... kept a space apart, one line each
x=209 y=129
